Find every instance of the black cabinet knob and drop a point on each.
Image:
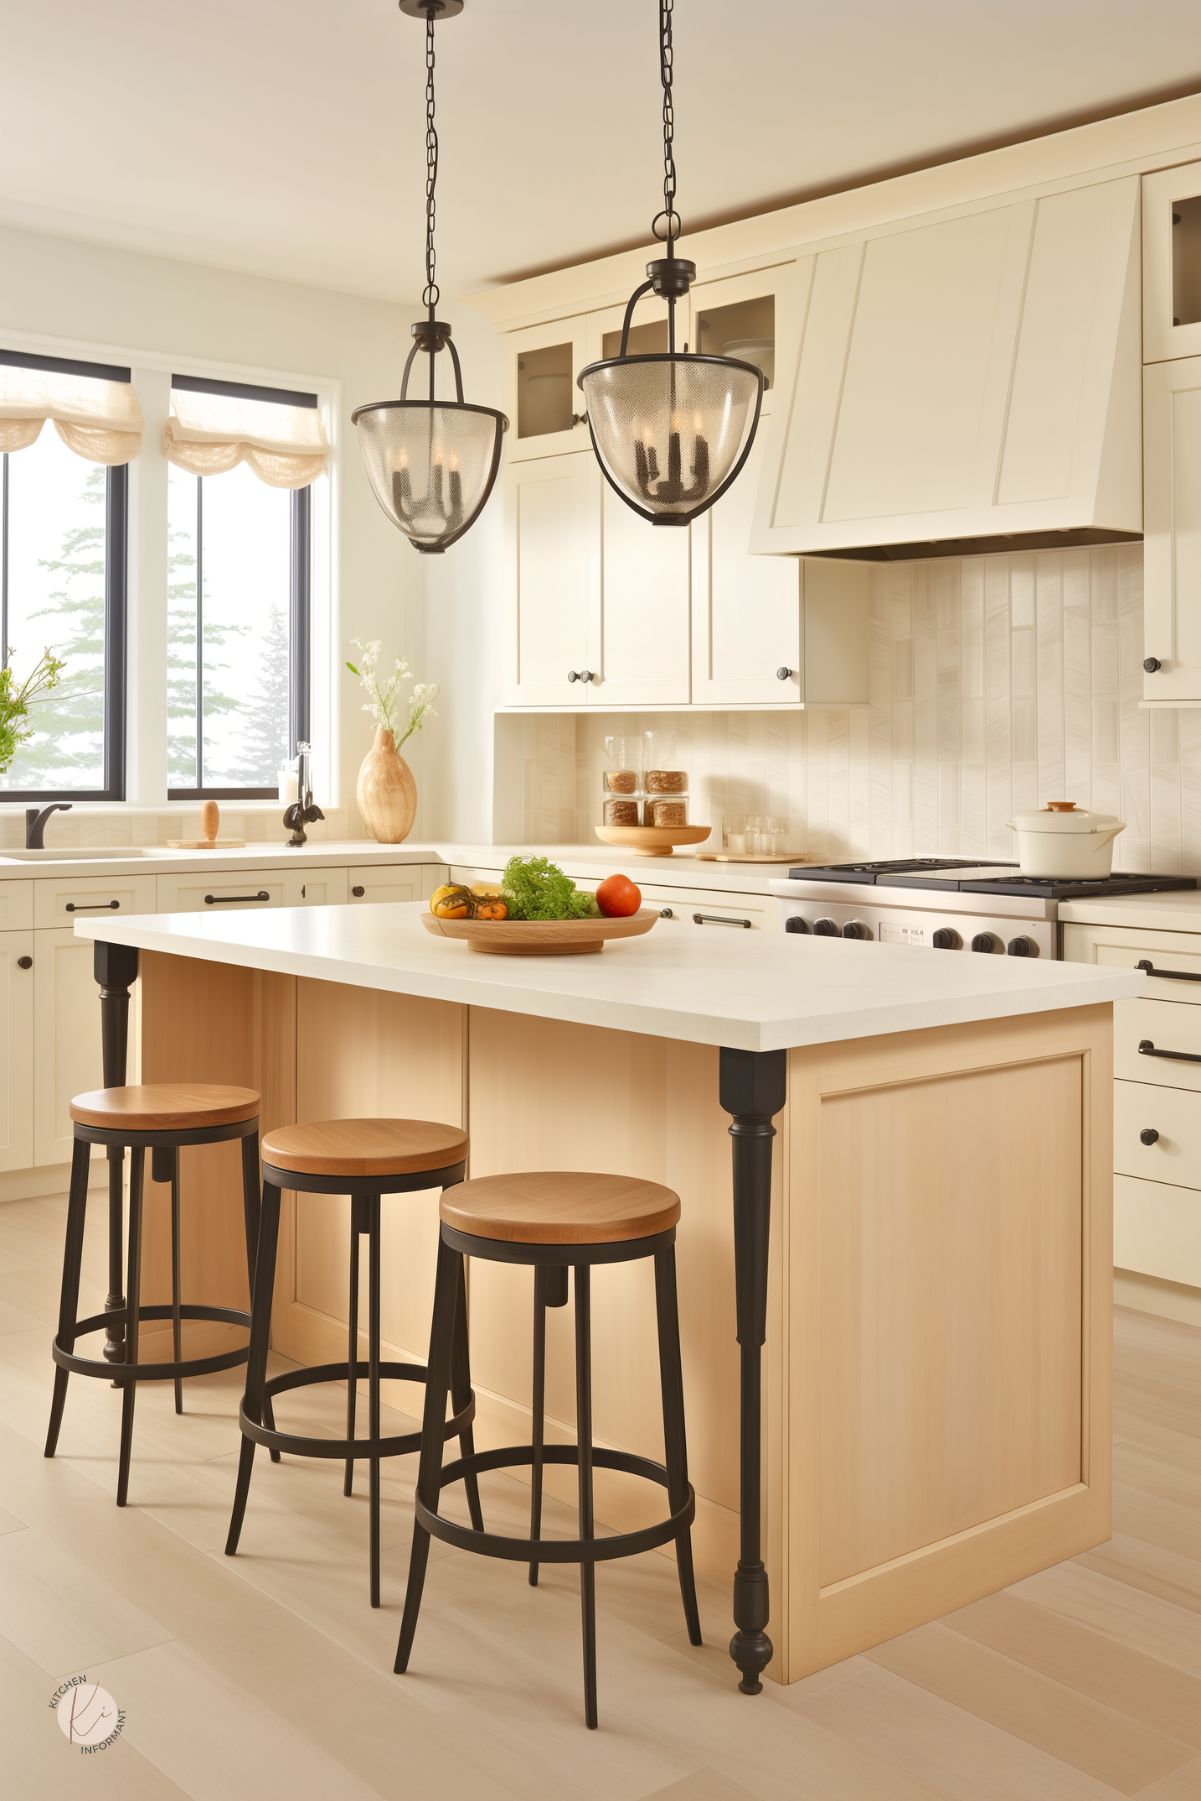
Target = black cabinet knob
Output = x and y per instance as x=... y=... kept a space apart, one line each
x=1022 y=947
x=666 y=913
x=24 y=962
x=986 y=941
x=946 y=938
x=855 y=928
x=358 y=891
x=1148 y=1135
x=783 y=673
x=796 y=924
x=1152 y=665
x=825 y=928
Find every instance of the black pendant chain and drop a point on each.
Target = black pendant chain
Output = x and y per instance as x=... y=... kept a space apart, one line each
x=667 y=225
x=430 y=296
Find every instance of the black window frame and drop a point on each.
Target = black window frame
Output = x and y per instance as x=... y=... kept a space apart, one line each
x=299 y=602
x=116 y=594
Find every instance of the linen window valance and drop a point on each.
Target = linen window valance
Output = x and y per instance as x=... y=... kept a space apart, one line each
x=207 y=433
x=95 y=417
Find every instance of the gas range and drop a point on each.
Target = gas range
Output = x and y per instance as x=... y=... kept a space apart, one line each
x=944 y=903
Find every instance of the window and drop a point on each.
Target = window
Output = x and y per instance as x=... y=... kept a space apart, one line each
x=62 y=587
x=237 y=623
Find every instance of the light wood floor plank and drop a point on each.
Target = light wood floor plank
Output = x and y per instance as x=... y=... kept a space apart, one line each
x=1181 y=1785
x=1126 y=1681
x=1104 y=1744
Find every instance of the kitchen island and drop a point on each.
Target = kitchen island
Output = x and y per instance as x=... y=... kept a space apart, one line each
x=918 y=1379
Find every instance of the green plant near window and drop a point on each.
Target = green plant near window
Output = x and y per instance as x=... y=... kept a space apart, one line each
x=16 y=698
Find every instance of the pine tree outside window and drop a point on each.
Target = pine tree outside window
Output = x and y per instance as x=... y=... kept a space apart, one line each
x=237 y=625
x=62 y=588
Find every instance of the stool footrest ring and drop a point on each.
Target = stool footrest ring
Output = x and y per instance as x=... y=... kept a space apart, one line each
x=64 y=1354
x=557 y=1550
x=298 y=1445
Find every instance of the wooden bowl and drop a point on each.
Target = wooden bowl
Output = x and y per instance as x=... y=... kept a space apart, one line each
x=652 y=840
x=540 y=937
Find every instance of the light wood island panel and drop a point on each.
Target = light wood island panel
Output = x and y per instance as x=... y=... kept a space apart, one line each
x=937 y=1368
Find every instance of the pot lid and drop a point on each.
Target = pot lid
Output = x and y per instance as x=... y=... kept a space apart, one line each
x=1064 y=817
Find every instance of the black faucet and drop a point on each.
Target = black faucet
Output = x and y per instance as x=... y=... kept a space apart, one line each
x=35 y=823
x=303 y=810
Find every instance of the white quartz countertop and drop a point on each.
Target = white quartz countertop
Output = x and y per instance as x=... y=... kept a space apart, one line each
x=748 y=991
x=1179 y=911
x=581 y=861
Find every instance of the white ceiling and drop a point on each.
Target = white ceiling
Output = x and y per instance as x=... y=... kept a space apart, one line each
x=285 y=137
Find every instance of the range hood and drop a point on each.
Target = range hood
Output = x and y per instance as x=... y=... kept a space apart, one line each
x=962 y=383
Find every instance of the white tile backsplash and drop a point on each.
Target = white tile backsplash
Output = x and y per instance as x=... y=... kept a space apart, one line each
x=995 y=683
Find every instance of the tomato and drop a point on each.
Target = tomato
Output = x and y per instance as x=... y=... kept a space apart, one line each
x=618 y=897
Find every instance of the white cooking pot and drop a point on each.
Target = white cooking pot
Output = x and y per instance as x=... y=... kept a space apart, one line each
x=1065 y=841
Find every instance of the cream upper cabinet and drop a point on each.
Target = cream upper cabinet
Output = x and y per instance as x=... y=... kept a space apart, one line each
x=643 y=648
x=746 y=610
x=599 y=599
x=766 y=629
x=1172 y=540
x=964 y=377
x=553 y=574
x=545 y=408
x=1172 y=263
x=738 y=315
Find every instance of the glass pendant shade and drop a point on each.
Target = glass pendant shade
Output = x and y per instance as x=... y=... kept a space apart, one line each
x=671 y=432
x=431 y=465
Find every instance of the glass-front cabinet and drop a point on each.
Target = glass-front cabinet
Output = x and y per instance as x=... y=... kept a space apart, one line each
x=545 y=408
x=1172 y=263
x=738 y=315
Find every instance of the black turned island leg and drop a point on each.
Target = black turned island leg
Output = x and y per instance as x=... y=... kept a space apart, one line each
x=752 y=1090
x=116 y=969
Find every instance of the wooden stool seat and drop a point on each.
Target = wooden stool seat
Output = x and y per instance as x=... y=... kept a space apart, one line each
x=165 y=1107
x=560 y=1207
x=365 y=1147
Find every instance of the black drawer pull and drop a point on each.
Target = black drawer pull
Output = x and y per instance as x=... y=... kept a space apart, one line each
x=24 y=962
x=1148 y=1135
x=1147 y=1048
x=92 y=906
x=1168 y=975
x=225 y=900
x=666 y=913
x=358 y=891
x=720 y=919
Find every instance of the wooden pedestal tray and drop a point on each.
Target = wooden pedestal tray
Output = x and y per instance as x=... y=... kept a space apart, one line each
x=540 y=937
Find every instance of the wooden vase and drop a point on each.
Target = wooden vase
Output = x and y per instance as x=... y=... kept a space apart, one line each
x=385 y=792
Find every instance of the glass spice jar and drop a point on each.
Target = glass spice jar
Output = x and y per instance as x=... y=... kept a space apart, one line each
x=617 y=811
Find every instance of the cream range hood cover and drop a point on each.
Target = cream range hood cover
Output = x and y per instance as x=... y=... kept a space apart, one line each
x=970 y=381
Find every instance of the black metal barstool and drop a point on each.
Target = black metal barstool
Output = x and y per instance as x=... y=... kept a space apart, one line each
x=554 y=1222
x=162 y=1118
x=365 y=1159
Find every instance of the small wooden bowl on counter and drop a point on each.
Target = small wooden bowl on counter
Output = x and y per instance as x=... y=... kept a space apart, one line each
x=540 y=937
x=652 y=840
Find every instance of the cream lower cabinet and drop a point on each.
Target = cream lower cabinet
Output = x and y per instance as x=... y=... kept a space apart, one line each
x=66 y=1037
x=16 y=1049
x=1157 y=1099
x=399 y=882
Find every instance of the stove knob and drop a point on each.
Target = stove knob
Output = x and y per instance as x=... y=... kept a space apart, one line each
x=796 y=924
x=946 y=938
x=986 y=941
x=855 y=928
x=1022 y=947
x=825 y=928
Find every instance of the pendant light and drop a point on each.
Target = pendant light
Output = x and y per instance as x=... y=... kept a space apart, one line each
x=431 y=463
x=670 y=430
